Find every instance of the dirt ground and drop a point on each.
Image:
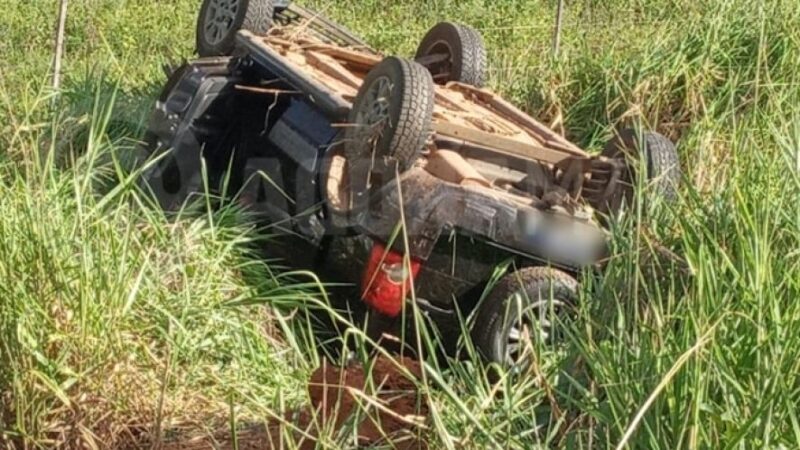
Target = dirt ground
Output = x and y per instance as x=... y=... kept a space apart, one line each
x=380 y=401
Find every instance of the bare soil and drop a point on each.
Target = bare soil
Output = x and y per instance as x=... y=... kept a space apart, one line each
x=381 y=401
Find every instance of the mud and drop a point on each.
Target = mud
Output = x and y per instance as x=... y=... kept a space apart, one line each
x=380 y=401
x=385 y=396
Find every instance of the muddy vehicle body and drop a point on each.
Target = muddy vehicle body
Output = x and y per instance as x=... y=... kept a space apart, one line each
x=404 y=178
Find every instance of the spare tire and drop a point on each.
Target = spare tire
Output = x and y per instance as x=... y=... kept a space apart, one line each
x=220 y=20
x=454 y=52
x=660 y=159
x=390 y=123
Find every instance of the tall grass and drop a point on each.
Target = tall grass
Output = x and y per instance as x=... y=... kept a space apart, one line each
x=116 y=322
x=688 y=339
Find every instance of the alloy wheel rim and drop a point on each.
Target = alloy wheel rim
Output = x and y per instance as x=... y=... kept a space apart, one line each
x=372 y=119
x=219 y=20
x=535 y=323
x=375 y=111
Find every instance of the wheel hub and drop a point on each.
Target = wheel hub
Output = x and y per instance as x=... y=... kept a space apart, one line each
x=219 y=20
x=533 y=324
x=373 y=116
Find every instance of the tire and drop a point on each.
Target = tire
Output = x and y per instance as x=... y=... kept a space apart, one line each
x=526 y=295
x=216 y=30
x=390 y=123
x=466 y=54
x=660 y=161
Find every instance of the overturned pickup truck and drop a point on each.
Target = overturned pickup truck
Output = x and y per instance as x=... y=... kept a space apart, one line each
x=403 y=177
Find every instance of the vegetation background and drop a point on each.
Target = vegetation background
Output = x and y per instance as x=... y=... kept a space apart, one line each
x=118 y=327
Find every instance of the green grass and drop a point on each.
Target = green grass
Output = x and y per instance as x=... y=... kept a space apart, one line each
x=115 y=321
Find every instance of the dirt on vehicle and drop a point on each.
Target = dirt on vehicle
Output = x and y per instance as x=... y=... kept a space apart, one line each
x=380 y=400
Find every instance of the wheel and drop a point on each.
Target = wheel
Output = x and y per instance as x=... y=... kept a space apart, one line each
x=390 y=123
x=220 y=20
x=454 y=52
x=527 y=304
x=660 y=161
x=392 y=113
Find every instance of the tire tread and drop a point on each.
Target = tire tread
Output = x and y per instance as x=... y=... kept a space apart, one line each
x=471 y=59
x=661 y=159
x=414 y=124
